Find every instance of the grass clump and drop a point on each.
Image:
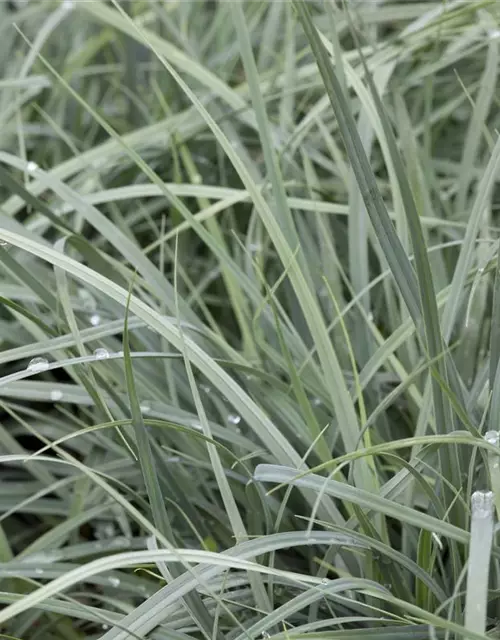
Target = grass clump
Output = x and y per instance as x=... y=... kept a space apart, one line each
x=250 y=309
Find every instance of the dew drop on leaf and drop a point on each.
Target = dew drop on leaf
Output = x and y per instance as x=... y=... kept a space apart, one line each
x=101 y=354
x=38 y=364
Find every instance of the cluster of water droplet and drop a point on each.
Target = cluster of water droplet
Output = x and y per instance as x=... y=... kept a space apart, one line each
x=40 y=364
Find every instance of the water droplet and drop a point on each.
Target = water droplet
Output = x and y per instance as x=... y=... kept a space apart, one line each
x=255 y=247
x=494 y=33
x=205 y=388
x=95 y=319
x=101 y=354
x=492 y=437
x=197 y=179
x=68 y=5
x=119 y=354
x=480 y=270
x=265 y=635
x=87 y=300
x=388 y=586
x=145 y=407
x=38 y=571
x=56 y=395
x=104 y=627
x=31 y=167
x=370 y=316
x=234 y=418
x=316 y=402
x=4 y=244
x=114 y=582
x=38 y=364
x=325 y=581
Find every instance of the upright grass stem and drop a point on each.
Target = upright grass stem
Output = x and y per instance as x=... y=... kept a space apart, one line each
x=482 y=503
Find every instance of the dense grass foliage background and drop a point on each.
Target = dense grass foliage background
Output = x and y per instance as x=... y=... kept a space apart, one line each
x=250 y=319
